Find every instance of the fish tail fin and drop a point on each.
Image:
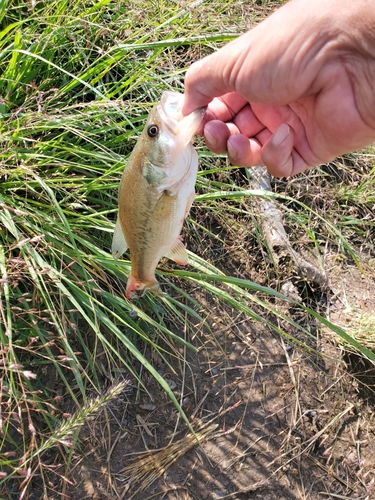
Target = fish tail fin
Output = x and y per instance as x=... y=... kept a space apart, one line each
x=135 y=288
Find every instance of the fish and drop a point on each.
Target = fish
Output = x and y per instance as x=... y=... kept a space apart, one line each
x=156 y=191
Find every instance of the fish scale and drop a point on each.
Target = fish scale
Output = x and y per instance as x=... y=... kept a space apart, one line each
x=156 y=192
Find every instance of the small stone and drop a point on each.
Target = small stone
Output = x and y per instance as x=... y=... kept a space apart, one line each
x=172 y=384
x=148 y=407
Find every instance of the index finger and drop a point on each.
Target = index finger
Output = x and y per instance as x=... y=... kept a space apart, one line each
x=223 y=108
x=226 y=107
x=200 y=86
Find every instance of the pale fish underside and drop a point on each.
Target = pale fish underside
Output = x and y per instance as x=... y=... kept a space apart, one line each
x=156 y=192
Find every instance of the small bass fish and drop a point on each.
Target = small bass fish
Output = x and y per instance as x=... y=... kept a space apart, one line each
x=156 y=193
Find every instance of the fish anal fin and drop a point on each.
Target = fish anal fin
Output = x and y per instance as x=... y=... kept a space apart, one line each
x=178 y=253
x=119 y=245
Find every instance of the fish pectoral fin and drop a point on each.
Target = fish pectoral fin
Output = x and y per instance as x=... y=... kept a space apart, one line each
x=178 y=253
x=119 y=245
x=154 y=175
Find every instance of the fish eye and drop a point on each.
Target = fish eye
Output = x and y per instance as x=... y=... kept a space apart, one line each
x=153 y=130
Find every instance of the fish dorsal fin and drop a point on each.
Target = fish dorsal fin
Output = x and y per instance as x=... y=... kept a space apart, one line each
x=119 y=245
x=178 y=253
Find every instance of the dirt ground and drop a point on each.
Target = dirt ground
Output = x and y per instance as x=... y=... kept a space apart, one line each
x=274 y=420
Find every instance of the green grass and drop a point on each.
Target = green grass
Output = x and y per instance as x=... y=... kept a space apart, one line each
x=78 y=79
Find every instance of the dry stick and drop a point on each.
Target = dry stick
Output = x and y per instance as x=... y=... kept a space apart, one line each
x=333 y=495
x=295 y=384
x=247 y=489
x=271 y=222
x=165 y=491
x=253 y=365
x=196 y=409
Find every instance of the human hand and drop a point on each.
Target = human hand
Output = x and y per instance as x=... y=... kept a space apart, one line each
x=296 y=91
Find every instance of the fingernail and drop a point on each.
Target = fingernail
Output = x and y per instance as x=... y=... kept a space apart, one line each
x=281 y=134
x=210 y=138
x=233 y=153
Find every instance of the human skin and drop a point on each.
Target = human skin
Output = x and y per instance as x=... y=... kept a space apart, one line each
x=295 y=91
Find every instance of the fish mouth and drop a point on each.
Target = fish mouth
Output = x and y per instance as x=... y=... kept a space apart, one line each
x=183 y=127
